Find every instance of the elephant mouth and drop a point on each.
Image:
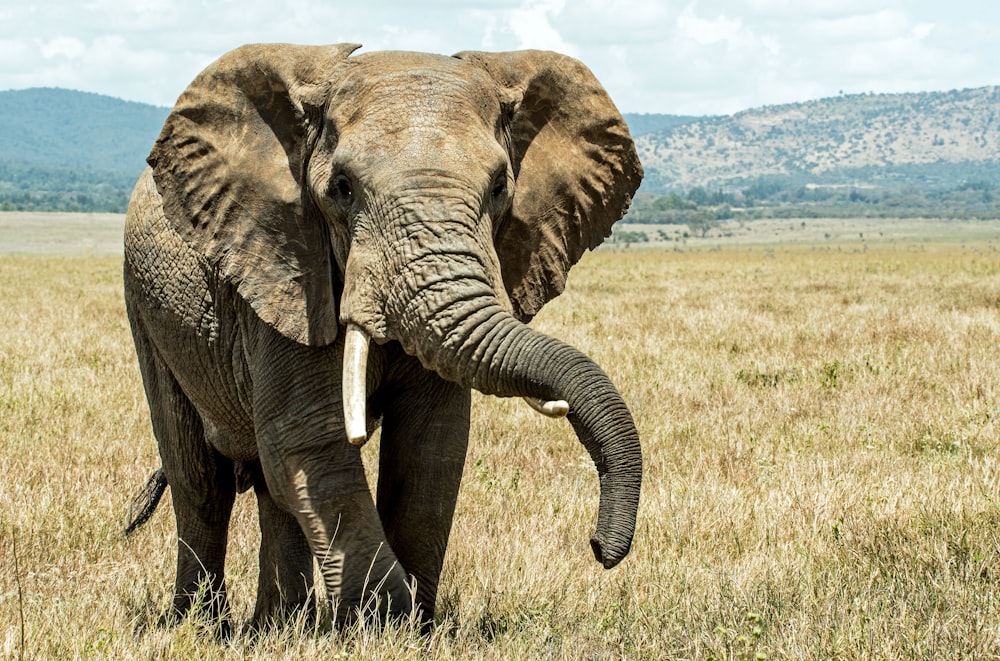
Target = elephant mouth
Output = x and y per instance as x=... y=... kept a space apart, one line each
x=355 y=369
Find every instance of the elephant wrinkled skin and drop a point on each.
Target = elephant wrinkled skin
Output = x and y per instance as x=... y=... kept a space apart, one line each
x=433 y=204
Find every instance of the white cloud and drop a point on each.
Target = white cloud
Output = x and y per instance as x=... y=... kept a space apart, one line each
x=630 y=24
x=531 y=25
x=62 y=47
x=15 y=56
x=709 y=31
x=864 y=27
x=922 y=31
x=805 y=9
x=133 y=16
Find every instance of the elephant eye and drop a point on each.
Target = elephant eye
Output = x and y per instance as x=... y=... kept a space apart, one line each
x=500 y=184
x=342 y=188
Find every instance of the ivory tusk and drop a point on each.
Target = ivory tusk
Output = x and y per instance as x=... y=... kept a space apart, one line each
x=554 y=409
x=355 y=384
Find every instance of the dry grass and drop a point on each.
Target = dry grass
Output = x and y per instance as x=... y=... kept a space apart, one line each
x=69 y=234
x=820 y=431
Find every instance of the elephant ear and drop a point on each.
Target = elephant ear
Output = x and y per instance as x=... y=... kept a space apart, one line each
x=229 y=165
x=575 y=166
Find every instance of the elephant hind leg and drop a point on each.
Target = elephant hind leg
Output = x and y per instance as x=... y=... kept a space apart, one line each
x=285 y=581
x=202 y=488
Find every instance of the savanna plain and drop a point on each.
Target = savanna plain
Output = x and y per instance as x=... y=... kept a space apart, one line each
x=819 y=417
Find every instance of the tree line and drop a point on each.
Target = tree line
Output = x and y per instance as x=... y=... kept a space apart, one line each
x=40 y=188
x=47 y=188
x=702 y=208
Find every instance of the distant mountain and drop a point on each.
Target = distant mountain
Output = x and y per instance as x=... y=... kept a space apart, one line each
x=75 y=151
x=919 y=138
x=46 y=127
x=643 y=123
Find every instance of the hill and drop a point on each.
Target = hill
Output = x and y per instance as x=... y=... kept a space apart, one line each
x=933 y=138
x=63 y=150
x=644 y=123
x=51 y=127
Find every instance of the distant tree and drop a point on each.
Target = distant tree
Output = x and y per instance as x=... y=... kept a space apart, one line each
x=673 y=201
x=628 y=237
x=698 y=195
x=702 y=222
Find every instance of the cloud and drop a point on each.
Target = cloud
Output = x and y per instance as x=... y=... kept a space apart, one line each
x=721 y=57
x=709 y=31
x=863 y=27
x=63 y=48
x=688 y=56
x=629 y=24
x=794 y=10
x=531 y=24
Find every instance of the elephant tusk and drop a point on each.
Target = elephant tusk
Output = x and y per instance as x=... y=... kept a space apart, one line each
x=355 y=384
x=554 y=409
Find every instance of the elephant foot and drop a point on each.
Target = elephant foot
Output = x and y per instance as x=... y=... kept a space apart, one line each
x=378 y=615
x=300 y=620
x=272 y=616
x=209 y=613
x=390 y=602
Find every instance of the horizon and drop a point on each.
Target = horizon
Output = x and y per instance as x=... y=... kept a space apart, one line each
x=841 y=95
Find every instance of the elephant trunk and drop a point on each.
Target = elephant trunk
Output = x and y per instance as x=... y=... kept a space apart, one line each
x=511 y=359
x=466 y=336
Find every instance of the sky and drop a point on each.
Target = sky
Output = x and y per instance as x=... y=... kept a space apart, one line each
x=688 y=57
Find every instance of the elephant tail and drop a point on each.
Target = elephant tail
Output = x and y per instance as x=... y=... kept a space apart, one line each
x=145 y=502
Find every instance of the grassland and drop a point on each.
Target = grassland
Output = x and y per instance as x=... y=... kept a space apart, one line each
x=820 y=427
x=70 y=234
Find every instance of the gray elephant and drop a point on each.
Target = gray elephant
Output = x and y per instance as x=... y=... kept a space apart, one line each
x=325 y=242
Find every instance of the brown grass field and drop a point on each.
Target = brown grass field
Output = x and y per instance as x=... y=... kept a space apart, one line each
x=820 y=429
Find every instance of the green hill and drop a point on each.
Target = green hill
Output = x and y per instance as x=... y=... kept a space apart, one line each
x=63 y=150
x=939 y=139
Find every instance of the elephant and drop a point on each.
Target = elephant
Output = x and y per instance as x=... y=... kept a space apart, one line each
x=327 y=243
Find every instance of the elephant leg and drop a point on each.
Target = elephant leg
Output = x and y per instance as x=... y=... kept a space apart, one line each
x=202 y=529
x=285 y=581
x=314 y=473
x=202 y=488
x=425 y=434
x=334 y=507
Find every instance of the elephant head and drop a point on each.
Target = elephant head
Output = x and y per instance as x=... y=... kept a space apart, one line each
x=434 y=201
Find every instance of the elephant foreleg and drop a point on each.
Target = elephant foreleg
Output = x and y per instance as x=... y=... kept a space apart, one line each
x=425 y=433
x=316 y=475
